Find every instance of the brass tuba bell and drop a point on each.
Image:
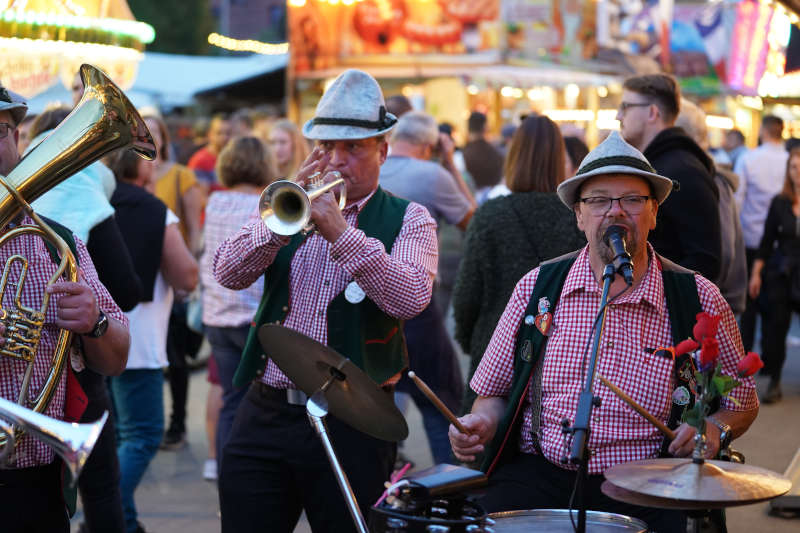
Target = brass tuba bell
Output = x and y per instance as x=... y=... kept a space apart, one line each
x=104 y=120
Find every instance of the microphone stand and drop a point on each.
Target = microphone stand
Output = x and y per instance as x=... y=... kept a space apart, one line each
x=579 y=452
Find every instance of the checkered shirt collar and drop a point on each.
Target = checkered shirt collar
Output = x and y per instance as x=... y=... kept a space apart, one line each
x=650 y=290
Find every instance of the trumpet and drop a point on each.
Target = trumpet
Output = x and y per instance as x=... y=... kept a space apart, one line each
x=73 y=442
x=285 y=207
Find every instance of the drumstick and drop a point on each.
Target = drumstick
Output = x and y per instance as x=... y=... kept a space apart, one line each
x=448 y=414
x=638 y=408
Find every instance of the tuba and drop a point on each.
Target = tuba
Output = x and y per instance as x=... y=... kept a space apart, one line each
x=103 y=121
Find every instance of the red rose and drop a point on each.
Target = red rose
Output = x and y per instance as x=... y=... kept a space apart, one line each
x=749 y=365
x=689 y=345
x=709 y=352
x=706 y=326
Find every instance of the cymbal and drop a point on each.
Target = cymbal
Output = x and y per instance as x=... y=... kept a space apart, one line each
x=720 y=482
x=624 y=495
x=355 y=398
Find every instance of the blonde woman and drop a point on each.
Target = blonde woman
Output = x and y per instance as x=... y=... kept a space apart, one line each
x=288 y=146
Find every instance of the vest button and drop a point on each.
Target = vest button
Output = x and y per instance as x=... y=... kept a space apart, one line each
x=260 y=372
x=263 y=356
x=285 y=308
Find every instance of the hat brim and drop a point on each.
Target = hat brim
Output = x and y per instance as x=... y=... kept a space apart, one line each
x=18 y=110
x=327 y=132
x=568 y=189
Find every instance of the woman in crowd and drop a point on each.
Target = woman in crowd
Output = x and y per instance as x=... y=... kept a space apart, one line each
x=288 y=147
x=510 y=235
x=244 y=168
x=164 y=264
x=176 y=185
x=576 y=151
x=776 y=269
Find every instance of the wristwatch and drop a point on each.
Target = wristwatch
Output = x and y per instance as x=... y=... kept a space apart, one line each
x=725 y=434
x=100 y=326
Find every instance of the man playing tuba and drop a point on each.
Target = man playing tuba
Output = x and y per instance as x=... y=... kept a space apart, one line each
x=31 y=479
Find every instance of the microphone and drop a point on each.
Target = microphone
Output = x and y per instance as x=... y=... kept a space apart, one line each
x=614 y=237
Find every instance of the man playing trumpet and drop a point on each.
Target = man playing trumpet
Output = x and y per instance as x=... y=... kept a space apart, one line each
x=351 y=283
x=31 y=481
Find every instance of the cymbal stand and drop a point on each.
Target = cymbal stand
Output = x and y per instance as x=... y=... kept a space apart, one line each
x=317 y=410
x=579 y=452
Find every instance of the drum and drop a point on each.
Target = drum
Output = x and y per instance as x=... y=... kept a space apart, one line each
x=444 y=515
x=558 y=521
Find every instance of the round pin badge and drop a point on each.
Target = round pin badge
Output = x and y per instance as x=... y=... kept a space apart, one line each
x=353 y=293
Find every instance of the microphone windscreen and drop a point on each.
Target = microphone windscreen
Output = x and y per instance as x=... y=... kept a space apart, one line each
x=613 y=230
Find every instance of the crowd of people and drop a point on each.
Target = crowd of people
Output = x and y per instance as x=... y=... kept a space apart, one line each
x=173 y=250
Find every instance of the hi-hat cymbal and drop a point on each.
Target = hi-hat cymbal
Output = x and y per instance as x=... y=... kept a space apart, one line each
x=355 y=398
x=720 y=483
x=644 y=500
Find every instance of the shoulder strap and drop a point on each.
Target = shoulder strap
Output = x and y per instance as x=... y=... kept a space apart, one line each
x=66 y=234
x=528 y=352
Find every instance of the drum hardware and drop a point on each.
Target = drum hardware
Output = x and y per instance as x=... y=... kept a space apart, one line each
x=791 y=500
x=558 y=521
x=285 y=206
x=355 y=398
x=433 y=500
x=334 y=384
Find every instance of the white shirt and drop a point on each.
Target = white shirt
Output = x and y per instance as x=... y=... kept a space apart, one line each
x=149 y=321
x=762 y=171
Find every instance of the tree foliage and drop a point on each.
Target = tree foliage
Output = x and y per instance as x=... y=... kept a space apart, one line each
x=181 y=27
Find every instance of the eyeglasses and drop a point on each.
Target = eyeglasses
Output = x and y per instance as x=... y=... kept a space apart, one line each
x=600 y=205
x=5 y=127
x=624 y=106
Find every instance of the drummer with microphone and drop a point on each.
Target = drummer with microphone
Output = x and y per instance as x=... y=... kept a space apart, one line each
x=348 y=285
x=532 y=373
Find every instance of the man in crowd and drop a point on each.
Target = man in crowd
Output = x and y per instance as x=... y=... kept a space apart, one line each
x=733 y=144
x=409 y=174
x=204 y=160
x=762 y=171
x=31 y=482
x=365 y=270
x=484 y=162
x=732 y=280
x=688 y=230
x=615 y=186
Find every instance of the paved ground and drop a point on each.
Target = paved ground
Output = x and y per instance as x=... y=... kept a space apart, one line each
x=174 y=498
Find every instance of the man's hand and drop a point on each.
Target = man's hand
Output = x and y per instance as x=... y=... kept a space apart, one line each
x=683 y=443
x=465 y=446
x=327 y=216
x=316 y=162
x=77 y=308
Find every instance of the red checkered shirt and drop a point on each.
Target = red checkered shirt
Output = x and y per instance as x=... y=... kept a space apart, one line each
x=635 y=322
x=400 y=283
x=31 y=451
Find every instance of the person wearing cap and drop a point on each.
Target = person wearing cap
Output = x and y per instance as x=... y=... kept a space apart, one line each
x=32 y=482
x=533 y=370
x=348 y=285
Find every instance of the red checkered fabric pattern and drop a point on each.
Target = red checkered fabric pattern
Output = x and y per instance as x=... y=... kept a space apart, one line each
x=226 y=213
x=400 y=282
x=31 y=451
x=636 y=323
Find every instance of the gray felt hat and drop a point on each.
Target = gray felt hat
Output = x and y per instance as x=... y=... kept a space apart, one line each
x=614 y=156
x=351 y=108
x=14 y=104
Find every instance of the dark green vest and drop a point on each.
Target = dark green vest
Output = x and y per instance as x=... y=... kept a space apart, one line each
x=362 y=332
x=683 y=304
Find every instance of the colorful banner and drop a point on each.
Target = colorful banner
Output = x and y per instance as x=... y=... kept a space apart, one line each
x=556 y=30
x=323 y=32
x=749 y=48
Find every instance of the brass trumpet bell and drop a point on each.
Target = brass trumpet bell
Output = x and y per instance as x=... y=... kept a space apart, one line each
x=73 y=442
x=285 y=207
